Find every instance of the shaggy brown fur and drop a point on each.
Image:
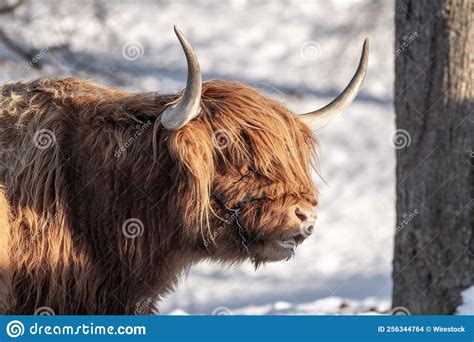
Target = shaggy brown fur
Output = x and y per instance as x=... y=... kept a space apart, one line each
x=111 y=160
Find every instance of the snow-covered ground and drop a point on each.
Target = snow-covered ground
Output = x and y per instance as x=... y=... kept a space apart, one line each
x=467 y=305
x=325 y=306
x=302 y=52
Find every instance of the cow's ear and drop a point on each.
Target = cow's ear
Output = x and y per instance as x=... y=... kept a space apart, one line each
x=192 y=148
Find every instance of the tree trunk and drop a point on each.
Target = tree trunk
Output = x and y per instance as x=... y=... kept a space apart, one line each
x=434 y=238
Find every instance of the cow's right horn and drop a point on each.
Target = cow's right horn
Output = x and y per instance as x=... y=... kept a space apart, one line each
x=178 y=115
x=319 y=118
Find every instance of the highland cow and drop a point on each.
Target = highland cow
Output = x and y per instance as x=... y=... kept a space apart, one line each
x=107 y=196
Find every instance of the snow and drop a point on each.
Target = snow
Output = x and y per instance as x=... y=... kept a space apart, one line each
x=301 y=52
x=325 y=306
x=467 y=306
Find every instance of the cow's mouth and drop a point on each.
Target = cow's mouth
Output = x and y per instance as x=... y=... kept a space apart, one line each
x=275 y=250
x=291 y=242
x=280 y=250
x=287 y=244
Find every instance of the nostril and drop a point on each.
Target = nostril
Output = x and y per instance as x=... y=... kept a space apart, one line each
x=301 y=214
x=299 y=238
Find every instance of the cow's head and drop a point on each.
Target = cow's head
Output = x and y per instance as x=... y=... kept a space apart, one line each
x=248 y=161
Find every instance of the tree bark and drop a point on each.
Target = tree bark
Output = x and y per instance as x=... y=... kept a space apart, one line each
x=434 y=239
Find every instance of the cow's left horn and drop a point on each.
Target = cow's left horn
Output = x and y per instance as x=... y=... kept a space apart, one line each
x=178 y=115
x=321 y=117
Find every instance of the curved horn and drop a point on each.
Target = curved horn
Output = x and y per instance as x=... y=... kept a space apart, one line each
x=321 y=117
x=178 y=115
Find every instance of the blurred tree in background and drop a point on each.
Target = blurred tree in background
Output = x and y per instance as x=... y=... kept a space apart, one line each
x=434 y=93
